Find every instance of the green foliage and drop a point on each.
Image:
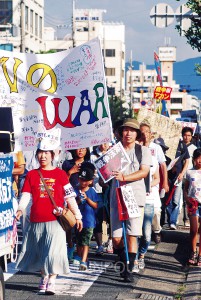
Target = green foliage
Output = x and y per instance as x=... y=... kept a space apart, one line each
x=46 y=52
x=193 y=34
x=117 y=110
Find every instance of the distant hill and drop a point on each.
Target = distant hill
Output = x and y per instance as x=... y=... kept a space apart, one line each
x=183 y=73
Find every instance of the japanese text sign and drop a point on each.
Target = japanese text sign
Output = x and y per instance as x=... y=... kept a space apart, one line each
x=162 y=93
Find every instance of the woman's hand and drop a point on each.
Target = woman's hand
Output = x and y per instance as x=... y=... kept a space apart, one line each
x=74 y=169
x=79 y=225
x=18 y=215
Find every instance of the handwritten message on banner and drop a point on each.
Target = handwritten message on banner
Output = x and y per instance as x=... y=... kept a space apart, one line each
x=114 y=159
x=6 y=199
x=163 y=127
x=65 y=90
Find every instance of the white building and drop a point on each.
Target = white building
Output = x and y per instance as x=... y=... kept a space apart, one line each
x=141 y=84
x=22 y=25
x=88 y=24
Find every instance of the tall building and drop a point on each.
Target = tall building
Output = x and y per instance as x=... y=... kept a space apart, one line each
x=141 y=84
x=22 y=25
x=88 y=24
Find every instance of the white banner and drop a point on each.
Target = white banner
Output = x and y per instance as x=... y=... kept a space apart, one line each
x=66 y=90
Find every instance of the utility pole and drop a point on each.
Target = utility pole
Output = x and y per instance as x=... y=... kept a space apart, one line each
x=131 y=68
x=73 y=24
x=22 y=44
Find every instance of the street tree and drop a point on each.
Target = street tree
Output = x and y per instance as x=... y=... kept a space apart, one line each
x=193 y=34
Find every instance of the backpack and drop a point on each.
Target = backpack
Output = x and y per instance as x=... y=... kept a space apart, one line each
x=138 y=154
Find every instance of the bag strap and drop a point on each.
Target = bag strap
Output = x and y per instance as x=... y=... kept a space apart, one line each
x=47 y=189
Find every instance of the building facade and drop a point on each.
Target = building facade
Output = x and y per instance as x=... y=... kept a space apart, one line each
x=22 y=25
x=141 y=84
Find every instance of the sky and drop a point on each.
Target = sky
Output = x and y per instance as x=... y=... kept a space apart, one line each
x=141 y=37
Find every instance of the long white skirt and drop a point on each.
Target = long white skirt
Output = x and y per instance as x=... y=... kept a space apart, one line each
x=44 y=248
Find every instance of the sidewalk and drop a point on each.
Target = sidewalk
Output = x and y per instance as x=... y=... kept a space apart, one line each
x=166 y=275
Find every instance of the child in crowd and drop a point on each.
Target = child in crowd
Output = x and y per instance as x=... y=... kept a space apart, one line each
x=192 y=194
x=87 y=199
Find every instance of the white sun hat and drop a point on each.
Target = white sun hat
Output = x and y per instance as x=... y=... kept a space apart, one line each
x=49 y=139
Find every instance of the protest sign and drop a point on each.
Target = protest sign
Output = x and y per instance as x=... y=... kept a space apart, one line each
x=65 y=90
x=6 y=199
x=162 y=93
x=162 y=127
x=130 y=201
x=114 y=159
x=192 y=125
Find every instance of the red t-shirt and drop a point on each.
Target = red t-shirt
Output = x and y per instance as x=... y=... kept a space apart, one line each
x=58 y=183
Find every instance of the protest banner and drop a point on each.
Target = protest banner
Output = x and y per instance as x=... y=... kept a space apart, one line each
x=6 y=200
x=114 y=159
x=192 y=125
x=66 y=90
x=162 y=127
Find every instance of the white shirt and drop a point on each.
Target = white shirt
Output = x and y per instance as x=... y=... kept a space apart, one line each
x=157 y=151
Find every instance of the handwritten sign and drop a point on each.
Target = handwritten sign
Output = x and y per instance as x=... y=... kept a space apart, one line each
x=162 y=93
x=66 y=90
x=164 y=127
x=130 y=201
x=114 y=159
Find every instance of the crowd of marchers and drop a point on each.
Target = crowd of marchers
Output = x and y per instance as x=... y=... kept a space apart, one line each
x=73 y=181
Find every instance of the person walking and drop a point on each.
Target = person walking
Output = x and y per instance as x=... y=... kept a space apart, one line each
x=187 y=135
x=44 y=243
x=157 y=152
x=87 y=200
x=192 y=194
x=176 y=175
x=133 y=175
x=72 y=168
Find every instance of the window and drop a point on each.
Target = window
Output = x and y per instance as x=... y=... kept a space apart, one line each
x=36 y=24
x=175 y=111
x=5 y=12
x=31 y=21
x=110 y=71
x=26 y=18
x=176 y=100
x=165 y=78
x=110 y=52
x=40 y=27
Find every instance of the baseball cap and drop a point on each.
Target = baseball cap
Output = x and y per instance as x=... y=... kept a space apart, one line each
x=86 y=173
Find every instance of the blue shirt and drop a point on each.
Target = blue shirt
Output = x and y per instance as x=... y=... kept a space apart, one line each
x=88 y=212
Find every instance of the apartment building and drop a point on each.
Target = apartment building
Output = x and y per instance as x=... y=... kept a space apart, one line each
x=22 y=25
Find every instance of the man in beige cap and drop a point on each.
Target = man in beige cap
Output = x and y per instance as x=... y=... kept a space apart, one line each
x=133 y=176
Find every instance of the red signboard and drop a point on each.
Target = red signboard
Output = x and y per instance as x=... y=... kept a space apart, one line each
x=162 y=93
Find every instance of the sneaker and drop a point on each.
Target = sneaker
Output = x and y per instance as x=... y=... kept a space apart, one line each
x=193 y=258
x=50 y=290
x=76 y=261
x=187 y=223
x=136 y=268
x=43 y=283
x=110 y=247
x=83 y=266
x=100 y=250
x=173 y=227
x=141 y=263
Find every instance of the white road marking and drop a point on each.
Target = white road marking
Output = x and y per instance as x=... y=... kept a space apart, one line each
x=11 y=271
x=77 y=283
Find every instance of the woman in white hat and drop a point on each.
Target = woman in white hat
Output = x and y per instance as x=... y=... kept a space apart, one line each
x=44 y=244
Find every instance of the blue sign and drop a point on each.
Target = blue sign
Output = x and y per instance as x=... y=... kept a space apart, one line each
x=6 y=194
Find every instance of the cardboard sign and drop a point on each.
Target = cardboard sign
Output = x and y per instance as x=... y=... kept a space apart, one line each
x=130 y=201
